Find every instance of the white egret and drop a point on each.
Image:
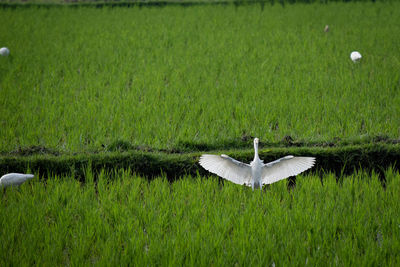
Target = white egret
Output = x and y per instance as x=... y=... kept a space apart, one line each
x=4 y=51
x=255 y=174
x=355 y=56
x=14 y=179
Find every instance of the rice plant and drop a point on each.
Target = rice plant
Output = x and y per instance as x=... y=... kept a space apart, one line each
x=80 y=79
x=119 y=218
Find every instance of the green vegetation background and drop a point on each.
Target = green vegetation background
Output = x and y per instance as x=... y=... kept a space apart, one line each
x=206 y=74
x=125 y=220
x=128 y=2
x=114 y=79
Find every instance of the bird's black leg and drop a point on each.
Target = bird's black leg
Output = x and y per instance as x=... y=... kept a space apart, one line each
x=291 y=182
x=266 y=187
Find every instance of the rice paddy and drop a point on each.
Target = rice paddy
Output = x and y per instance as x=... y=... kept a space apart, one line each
x=83 y=87
x=209 y=74
x=128 y=220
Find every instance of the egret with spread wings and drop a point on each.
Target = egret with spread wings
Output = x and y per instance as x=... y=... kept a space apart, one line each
x=255 y=174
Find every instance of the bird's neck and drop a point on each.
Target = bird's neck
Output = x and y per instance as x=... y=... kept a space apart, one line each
x=256 y=152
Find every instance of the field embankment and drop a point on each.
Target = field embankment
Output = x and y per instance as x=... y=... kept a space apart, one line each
x=339 y=160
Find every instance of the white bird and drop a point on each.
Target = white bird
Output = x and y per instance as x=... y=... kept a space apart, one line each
x=255 y=174
x=14 y=179
x=355 y=56
x=326 y=29
x=4 y=51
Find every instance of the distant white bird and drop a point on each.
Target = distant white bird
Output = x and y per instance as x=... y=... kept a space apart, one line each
x=326 y=29
x=255 y=174
x=14 y=179
x=4 y=51
x=355 y=56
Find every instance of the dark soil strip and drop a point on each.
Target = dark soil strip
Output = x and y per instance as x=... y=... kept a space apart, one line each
x=156 y=3
x=139 y=4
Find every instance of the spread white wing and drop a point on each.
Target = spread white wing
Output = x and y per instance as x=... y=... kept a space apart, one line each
x=285 y=167
x=227 y=167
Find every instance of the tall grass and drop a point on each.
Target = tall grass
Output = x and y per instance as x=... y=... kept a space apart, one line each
x=125 y=219
x=80 y=78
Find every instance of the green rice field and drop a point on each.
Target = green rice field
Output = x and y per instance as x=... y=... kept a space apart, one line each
x=111 y=108
x=127 y=220
x=80 y=79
